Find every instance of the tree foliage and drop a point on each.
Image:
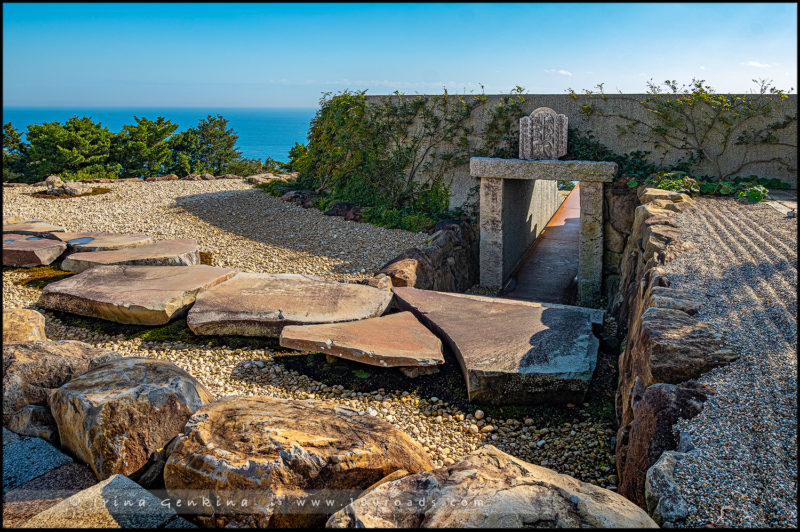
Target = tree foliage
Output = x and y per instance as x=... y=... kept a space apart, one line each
x=143 y=149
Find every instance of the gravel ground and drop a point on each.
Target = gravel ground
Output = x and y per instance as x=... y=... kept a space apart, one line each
x=243 y=227
x=745 y=471
x=251 y=231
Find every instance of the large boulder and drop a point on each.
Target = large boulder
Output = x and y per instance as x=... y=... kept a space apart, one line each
x=27 y=251
x=261 y=304
x=53 y=181
x=22 y=325
x=489 y=489
x=177 y=252
x=143 y=295
x=31 y=370
x=412 y=268
x=294 y=462
x=118 y=416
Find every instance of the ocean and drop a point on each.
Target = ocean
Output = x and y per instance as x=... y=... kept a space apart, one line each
x=263 y=132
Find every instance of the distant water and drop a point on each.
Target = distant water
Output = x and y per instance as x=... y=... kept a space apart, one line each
x=263 y=132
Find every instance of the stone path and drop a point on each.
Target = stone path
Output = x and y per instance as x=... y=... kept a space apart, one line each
x=182 y=252
x=31 y=227
x=101 y=241
x=547 y=273
x=28 y=250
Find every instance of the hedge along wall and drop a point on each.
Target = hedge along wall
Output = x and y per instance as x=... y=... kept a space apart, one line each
x=604 y=130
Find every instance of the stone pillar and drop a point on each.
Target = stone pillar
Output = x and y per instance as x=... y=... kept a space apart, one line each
x=491 y=225
x=590 y=251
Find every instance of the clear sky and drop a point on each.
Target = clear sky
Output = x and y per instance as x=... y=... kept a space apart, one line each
x=286 y=55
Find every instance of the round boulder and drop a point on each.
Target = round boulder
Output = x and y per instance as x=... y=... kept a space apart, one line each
x=267 y=462
x=119 y=416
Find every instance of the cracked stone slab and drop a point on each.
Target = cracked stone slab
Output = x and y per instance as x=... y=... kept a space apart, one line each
x=30 y=250
x=99 y=241
x=32 y=227
x=142 y=295
x=262 y=304
x=389 y=341
x=179 y=252
x=512 y=352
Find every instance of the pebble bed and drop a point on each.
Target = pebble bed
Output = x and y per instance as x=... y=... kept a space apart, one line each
x=743 y=470
x=251 y=231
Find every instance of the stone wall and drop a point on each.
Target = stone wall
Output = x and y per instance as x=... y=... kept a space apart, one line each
x=666 y=349
x=604 y=131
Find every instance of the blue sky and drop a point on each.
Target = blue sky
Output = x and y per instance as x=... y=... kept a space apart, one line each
x=286 y=55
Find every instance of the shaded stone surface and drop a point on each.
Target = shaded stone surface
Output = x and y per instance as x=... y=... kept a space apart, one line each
x=36 y=421
x=25 y=458
x=261 y=304
x=22 y=325
x=30 y=250
x=94 y=241
x=32 y=369
x=388 y=341
x=179 y=252
x=31 y=227
x=489 y=489
x=116 y=416
x=512 y=352
x=95 y=508
x=276 y=452
x=39 y=494
x=145 y=295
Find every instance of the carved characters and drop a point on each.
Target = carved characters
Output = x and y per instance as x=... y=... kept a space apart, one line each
x=543 y=135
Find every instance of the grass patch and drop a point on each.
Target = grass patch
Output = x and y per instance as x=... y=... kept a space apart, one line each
x=96 y=191
x=39 y=276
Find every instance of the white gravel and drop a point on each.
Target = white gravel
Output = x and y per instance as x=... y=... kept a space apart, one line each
x=744 y=470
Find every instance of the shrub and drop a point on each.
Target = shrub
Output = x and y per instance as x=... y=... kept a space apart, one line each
x=277 y=188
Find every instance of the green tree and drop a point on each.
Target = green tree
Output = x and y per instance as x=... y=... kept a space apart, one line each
x=184 y=149
x=216 y=143
x=12 y=153
x=143 y=149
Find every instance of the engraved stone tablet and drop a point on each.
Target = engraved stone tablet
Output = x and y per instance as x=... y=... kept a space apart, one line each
x=543 y=135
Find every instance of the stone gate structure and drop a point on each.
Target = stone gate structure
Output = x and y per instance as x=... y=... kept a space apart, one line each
x=519 y=196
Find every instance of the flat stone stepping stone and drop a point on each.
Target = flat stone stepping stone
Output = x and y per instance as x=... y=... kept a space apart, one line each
x=181 y=252
x=28 y=250
x=11 y=219
x=142 y=295
x=512 y=352
x=102 y=241
x=389 y=341
x=32 y=227
x=25 y=458
x=261 y=304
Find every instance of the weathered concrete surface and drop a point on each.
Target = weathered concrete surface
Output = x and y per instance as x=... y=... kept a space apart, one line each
x=261 y=304
x=114 y=503
x=553 y=170
x=22 y=325
x=388 y=341
x=144 y=295
x=26 y=458
x=490 y=489
x=31 y=227
x=118 y=415
x=277 y=453
x=180 y=252
x=94 y=241
x=29 y=250
x=512 y=352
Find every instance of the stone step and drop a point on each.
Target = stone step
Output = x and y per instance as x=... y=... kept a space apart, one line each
x=261 y=304
x=29 y=250
x=94 y=241
x=388 y=341
x=143 y=295
x=512 y=352
x=31 y=227
x=180 y=252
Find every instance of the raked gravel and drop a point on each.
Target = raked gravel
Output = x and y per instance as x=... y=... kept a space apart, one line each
x=743 y=471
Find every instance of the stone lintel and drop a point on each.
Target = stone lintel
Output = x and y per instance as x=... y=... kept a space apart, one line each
x=547 y=169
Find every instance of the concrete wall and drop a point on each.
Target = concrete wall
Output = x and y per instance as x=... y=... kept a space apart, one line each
x=604 y=131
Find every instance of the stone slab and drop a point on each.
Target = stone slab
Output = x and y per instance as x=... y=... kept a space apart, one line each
x=143 y=295
x=179 y=252
x=388 y=341
x=25 y=458
x=30 y=250
x=12 y=219
x=512 y=352
x=32 y=227
x=261 y=304
x=547 y=169
x=117 y=502
x=94 y=241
